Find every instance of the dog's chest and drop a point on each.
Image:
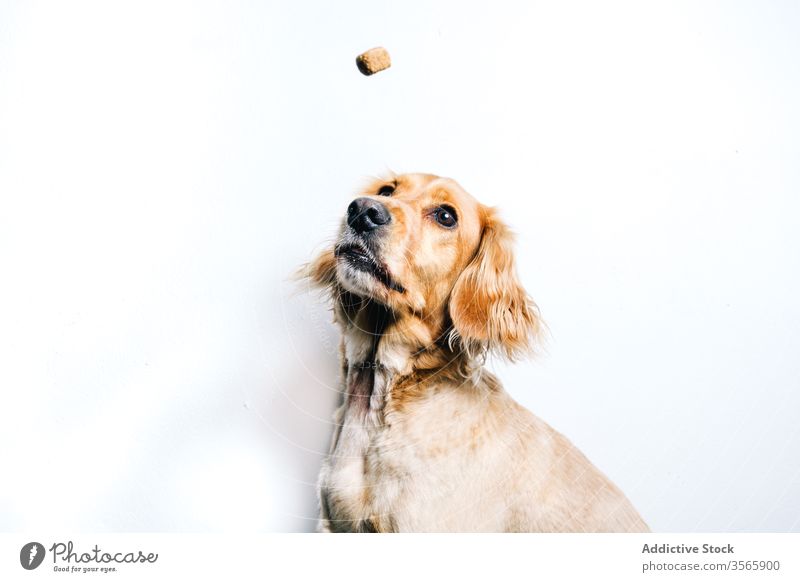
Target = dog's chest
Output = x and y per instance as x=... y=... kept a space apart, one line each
x=343 y=481
x=383 y=473
x=361 y=477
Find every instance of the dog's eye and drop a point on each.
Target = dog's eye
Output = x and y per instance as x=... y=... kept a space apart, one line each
x=386 y=190
x=445 y=216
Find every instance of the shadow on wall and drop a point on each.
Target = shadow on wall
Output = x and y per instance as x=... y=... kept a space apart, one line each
x=299 y=403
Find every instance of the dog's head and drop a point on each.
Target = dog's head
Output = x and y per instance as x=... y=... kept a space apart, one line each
x=423 y=248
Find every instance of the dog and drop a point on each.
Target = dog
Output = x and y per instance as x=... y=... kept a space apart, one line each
x=424 y=287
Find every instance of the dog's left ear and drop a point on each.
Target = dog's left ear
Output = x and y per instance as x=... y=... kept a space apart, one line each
x=321 y=271
x=489 y=307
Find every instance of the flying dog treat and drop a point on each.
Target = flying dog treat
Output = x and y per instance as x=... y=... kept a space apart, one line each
x=373 y=61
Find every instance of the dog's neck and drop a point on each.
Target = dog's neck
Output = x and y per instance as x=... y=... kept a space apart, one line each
x=384 y=351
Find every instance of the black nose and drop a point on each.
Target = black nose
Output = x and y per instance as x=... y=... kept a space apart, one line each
x=366 y=214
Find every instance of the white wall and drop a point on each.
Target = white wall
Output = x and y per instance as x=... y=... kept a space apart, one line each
x=165 y=166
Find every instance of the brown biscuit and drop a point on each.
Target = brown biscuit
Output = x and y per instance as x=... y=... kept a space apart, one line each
x=373 y=61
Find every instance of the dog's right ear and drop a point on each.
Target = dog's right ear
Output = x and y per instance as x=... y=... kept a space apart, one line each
x=321 y=271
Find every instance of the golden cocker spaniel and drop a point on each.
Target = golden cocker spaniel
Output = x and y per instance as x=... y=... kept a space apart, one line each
x=424 y=286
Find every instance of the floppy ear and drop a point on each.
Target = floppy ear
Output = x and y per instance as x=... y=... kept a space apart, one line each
x=321 y=271
x=489 y=308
